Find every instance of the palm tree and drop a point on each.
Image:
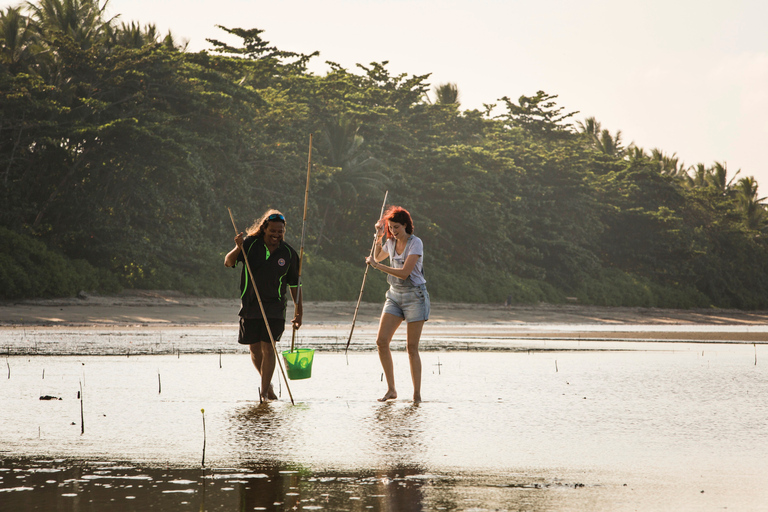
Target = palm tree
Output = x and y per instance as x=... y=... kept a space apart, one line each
x=601 y=139
x=697 y=176
x=16 y=40
x=753 y=208
x=636 y=153
x=447 y=94
x=670 y=165
x=134 y=36
x=131 y=35
x=351 y=171
x=169 y=41
x=717 y=176
x=82 y=20
x=611 y=144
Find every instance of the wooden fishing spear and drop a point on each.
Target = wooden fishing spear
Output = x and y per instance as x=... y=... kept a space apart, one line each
x=301 y=249
x=261 y=306
x=373 y=247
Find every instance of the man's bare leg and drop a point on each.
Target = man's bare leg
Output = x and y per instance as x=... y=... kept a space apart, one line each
x=387 y=327
x=257 y=358
x=267 y=370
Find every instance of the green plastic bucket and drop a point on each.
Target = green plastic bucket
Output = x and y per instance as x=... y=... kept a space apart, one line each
x=298 y=364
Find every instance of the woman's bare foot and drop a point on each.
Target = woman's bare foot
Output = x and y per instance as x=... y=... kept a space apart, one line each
x=271 y=395
x=391 y=395
x=416 y=399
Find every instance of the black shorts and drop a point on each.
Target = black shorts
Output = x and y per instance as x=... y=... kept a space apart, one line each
x=253 y=330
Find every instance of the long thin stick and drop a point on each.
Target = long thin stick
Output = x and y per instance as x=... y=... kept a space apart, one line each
x=204 y=439
x=373 y=247
x=263 y=313
x=82 y=415
x=303 y=230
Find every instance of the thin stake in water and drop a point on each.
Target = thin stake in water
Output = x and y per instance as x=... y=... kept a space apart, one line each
x=159 y=385
x=82 y=416
x=204 y=438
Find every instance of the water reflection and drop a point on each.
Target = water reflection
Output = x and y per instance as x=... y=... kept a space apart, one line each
x=397 y=430
x=257 y=430
x=85 y=486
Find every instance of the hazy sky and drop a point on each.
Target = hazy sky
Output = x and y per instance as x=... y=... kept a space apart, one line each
x=688 y=77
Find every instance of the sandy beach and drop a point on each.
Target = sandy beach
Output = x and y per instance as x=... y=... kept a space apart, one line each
x=169 y=310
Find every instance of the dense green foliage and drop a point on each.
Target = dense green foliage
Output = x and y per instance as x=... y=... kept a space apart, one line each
x=120 y=154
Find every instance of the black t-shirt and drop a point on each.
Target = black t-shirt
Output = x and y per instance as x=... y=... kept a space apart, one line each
x=274 y=273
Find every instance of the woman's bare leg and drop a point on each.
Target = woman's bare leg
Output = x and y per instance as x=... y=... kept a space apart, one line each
x=413 y=336
x=387 y=327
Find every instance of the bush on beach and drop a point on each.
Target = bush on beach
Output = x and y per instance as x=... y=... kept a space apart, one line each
x=28 y=269
x=617 y=288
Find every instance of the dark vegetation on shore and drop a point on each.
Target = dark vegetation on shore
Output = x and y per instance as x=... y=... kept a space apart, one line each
x=120 y=152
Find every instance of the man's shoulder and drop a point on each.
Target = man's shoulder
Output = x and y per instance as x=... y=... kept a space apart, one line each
x=285 y=246
x=251 y=239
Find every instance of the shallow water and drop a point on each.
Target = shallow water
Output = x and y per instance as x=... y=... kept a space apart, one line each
x=631 y=426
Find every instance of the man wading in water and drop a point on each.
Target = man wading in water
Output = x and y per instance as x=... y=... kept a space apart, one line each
x=275 y=265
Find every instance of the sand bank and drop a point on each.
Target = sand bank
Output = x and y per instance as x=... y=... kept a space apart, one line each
x=168 y=310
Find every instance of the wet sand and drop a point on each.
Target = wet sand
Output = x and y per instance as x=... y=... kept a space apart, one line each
x=556 y=408
x=626 y=427
x=168 y=310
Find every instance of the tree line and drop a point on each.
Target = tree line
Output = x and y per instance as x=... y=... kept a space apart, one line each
x=120 y=153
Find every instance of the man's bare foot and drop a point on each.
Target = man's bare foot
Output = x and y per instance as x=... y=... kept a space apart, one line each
x=416 y=399
x=391 y=395
x=269 y=397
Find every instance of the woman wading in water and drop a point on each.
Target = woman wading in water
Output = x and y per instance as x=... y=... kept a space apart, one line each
x=407 y=298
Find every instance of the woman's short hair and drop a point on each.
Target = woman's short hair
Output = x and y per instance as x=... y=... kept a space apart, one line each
x=258 y=227
x=401 y=216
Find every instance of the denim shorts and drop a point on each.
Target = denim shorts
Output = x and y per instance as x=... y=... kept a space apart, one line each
x=409 y=302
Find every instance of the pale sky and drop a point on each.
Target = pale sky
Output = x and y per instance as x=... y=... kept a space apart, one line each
x=689 y=77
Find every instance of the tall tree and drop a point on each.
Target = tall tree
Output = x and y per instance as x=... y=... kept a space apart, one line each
x=447 y=94
x=539 y=115
x=16 y=41
x=752 y=207
x=82 y=20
